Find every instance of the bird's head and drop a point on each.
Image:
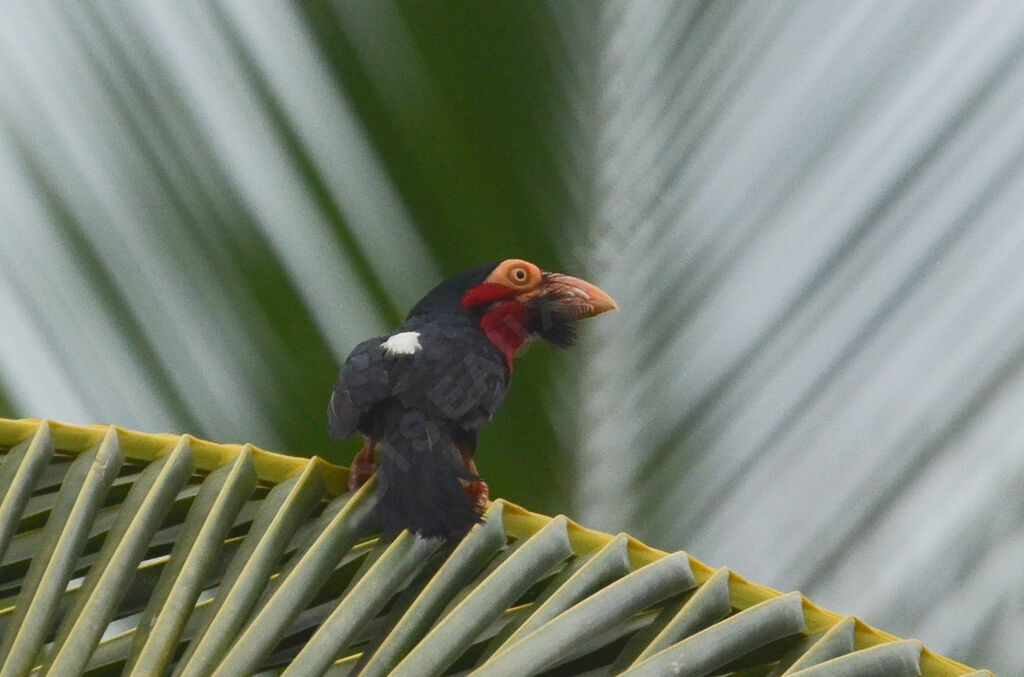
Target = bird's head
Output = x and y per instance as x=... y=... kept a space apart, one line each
x=514 y=300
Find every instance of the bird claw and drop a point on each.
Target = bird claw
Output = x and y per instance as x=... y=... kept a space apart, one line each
x=479 y=492
x=359 y=472
x=364 y=465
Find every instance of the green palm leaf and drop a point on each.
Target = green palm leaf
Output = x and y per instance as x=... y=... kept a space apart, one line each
x=155 y=554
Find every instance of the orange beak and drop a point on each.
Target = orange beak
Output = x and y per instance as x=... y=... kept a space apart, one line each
x=583 y=298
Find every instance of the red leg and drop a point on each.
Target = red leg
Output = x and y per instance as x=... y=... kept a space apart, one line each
x=363 y=465
x=477 y=489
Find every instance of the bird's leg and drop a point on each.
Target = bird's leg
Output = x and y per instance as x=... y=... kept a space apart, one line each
x=363 y=465
x=477 y=489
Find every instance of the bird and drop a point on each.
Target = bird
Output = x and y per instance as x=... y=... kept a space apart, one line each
x=422 y=393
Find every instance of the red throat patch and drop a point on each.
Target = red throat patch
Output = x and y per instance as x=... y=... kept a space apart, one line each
x=506 y=327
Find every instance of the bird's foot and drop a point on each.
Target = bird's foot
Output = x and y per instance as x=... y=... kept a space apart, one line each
x=359 y=472
x=479 y=492
x=364 y=465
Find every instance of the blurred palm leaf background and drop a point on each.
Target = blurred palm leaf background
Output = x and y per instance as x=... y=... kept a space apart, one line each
x=808 y=211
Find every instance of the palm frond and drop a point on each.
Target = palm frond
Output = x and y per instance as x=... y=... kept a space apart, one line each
x=126 y=553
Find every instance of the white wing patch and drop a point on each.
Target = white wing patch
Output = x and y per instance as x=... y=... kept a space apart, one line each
x=405 y=343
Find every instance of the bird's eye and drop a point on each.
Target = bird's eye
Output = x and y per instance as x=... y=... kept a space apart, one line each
x=519 y=275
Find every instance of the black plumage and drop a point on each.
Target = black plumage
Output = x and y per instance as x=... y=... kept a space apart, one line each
x=424 y=391
x=421 y=405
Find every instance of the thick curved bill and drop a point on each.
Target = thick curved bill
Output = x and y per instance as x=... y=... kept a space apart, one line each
x=586 y=299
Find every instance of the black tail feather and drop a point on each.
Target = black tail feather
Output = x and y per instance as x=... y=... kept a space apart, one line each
x=419 y=485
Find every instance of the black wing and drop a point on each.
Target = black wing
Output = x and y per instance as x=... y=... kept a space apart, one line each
x=366 y=378
x=457 y=375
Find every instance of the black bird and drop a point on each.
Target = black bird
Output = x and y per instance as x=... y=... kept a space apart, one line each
x=423 y=392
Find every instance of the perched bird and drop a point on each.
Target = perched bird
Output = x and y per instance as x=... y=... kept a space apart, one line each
x=423 y=392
